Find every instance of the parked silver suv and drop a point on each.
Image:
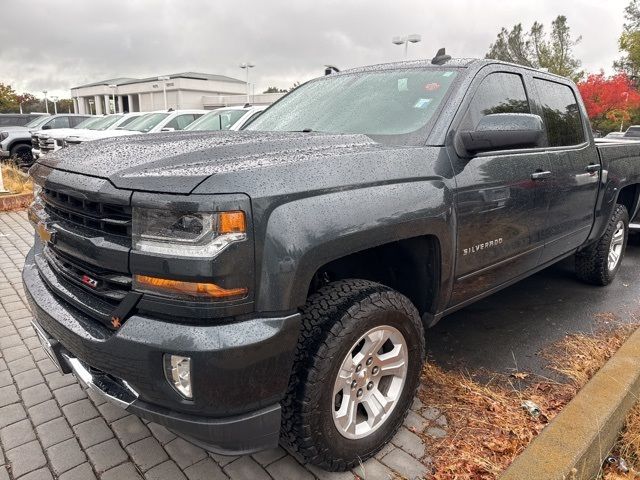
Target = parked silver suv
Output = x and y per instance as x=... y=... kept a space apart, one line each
x=16 y=141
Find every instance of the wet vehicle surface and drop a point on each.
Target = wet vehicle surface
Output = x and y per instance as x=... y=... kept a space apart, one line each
x=274 y=284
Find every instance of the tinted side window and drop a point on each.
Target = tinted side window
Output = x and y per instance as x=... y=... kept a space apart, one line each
x=181 y=121
x=561 y=113
x=498 y=93
x=73 y=121
x=59 y=122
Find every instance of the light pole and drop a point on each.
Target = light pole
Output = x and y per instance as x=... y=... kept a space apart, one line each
x=46 y=104
x=113 y=98
x=54 y=99
x=246 y=66
x=412 y=38
x=164 y=79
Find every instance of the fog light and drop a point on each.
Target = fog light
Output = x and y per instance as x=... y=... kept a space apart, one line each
x=178 y=372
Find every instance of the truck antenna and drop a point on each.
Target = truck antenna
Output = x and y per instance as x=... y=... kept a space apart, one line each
x=441 y=57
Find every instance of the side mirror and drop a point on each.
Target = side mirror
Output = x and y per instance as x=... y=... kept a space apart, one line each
x=46 y=127
x=499 y=131
x=167 y=129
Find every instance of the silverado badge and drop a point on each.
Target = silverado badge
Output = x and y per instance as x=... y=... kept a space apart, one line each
x=482 y=246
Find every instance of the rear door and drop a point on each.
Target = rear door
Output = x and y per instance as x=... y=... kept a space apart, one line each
x=500 y=209
x=574 y=166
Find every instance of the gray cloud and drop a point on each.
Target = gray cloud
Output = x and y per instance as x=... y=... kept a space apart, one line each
x=61 y=44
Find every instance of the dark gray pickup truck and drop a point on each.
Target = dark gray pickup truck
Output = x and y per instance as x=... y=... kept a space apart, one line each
x=276 y=284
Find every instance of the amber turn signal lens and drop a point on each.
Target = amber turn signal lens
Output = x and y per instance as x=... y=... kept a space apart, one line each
x=193 y=289
x=232 y=222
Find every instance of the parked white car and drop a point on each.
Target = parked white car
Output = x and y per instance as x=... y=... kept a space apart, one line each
x=227 y=118
x=153 y=122
x=45 y=141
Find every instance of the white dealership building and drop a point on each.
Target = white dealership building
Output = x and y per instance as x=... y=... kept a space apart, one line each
x=177 y=91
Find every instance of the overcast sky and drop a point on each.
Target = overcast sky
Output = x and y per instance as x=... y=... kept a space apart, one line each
x=56 y=45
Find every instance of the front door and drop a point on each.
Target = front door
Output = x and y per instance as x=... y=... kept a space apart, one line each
x=500 y=208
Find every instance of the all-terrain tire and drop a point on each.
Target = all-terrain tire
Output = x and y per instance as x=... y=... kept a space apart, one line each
x=332 y=320
x=592 y=263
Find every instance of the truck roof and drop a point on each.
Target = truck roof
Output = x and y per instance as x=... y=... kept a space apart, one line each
x=475 y=63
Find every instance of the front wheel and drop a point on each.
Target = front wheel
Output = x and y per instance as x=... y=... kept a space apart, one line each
x=357 y=368
x=22 y=155
x=599 y=263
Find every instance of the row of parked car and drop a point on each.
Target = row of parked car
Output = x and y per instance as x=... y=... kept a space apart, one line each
x=47 y=133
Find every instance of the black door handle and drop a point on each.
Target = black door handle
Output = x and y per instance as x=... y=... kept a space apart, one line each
x=540 y=175
x=593 y=168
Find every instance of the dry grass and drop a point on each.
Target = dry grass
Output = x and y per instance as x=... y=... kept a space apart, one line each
x=627 y=447
x=15 y=180
x=488 y=427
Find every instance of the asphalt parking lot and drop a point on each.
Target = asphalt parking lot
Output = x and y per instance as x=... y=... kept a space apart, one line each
x=507 y=330
x=51 y=428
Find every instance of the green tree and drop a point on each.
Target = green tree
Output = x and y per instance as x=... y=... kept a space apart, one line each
x=274 y=90
x=8 y=99
x=536 y=49
x=65 y=105
x=29 y=103
x=629 y=43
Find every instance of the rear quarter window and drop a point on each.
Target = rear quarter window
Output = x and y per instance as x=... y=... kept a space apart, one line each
x=561 y=113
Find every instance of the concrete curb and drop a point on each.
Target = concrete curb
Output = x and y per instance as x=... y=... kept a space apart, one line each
x=576 y=443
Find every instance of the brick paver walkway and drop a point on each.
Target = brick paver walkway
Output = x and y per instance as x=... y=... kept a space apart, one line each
x=51 y=428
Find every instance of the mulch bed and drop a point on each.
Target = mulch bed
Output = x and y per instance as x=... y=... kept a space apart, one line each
x=18 y=201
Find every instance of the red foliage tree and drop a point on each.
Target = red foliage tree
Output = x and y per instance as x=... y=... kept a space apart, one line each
x=603 y=95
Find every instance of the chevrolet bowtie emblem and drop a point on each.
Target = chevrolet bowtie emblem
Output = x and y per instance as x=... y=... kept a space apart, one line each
x=116 y=322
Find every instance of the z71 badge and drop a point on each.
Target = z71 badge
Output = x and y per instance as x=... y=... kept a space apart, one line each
x=482 y=246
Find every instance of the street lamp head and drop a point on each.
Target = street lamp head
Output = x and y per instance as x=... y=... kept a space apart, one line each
x=163 y=78
x=112 y=86
x=45 y=92
x=398 y=41
x=247 y=65
x=54 y=98
x=414 y=38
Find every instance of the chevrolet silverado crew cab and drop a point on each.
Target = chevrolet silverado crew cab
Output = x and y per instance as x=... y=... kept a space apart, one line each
x=276 y=284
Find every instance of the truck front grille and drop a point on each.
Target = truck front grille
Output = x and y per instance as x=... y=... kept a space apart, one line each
x=103 y=217
x=46 y=144
x=110 y=286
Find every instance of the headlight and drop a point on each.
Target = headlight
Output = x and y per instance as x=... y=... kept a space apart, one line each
x=187 y=234
x=3 y=136
x=178 y=234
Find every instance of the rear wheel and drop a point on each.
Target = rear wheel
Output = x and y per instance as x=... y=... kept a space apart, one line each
x=357 y=367
x=599 y=263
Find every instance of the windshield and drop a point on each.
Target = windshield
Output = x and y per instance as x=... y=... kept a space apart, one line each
x=218 y=120
x=105 y=122
x=36 y=122
x=383 y=103
x=146 y=123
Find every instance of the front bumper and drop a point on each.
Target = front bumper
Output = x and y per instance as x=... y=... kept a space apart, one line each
x=5 y=154
x=240 y=370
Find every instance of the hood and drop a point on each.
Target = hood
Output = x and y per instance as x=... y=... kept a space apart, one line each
x=58 y=132
x=94 y=134
x=13 y=128
x=177 y=162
